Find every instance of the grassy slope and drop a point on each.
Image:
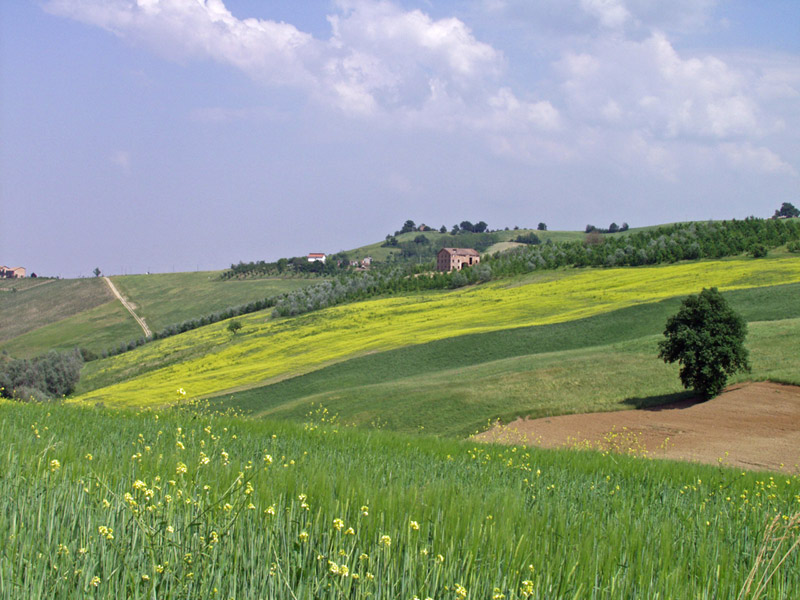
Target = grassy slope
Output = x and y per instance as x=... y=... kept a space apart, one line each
x=539 y=371
x=97 y=329
x=462 y=400
x=39 y=302
x=208 y=362
x=68 y=313
x=169 y=298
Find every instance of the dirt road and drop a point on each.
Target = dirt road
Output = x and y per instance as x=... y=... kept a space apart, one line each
x=752 y=426
x=121 y=298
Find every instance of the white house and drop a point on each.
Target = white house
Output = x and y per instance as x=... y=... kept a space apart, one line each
x=316 y=257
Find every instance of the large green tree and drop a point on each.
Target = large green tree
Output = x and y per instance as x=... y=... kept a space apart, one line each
x=706 y=337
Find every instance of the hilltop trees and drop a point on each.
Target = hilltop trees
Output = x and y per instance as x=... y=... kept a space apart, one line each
x=787 y=209
x=706 y=337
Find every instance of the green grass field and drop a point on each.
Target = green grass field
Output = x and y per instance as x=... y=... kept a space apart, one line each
x=40 y=302
x=68 y=313
x=170 y=298
x=209 y=361
x=605 y=362
x=170 y=505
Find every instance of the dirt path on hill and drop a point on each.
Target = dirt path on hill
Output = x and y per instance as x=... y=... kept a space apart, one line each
x=752 y=426
x=121 y=298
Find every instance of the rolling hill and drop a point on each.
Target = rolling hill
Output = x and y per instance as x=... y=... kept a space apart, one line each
x=596 y=332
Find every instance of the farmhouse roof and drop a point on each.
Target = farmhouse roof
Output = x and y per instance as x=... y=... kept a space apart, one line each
x=461 y=251
x=316 y=254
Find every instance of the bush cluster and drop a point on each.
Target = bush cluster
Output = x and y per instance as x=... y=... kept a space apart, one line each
x=43 y=378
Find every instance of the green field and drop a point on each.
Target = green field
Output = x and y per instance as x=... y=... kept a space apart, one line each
x=605 y=362
x=170 y=298
x=28 y=304
x=170 y=505
x=62 y=314
x=210 y=362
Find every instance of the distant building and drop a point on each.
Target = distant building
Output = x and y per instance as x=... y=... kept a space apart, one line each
x=316 y=257
x=12 y=272
x=449 y=259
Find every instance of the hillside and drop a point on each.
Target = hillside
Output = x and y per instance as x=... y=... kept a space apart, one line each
x=211 y=362
x=63 y=314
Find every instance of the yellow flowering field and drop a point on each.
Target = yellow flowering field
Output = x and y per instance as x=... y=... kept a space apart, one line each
x=209 y=361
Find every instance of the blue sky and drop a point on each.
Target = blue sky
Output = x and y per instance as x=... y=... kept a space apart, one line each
x=185 y=134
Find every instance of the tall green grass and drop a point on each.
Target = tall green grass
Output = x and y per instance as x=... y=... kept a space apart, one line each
x=122 y=505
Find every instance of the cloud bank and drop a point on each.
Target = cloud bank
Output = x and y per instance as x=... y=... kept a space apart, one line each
x=619 y=90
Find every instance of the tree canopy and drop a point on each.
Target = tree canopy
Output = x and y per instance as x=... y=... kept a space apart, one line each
x=706 y=337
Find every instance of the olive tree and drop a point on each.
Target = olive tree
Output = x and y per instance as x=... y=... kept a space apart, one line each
x=706 y=337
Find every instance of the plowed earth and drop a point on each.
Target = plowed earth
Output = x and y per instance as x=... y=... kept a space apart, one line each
x=753 y=426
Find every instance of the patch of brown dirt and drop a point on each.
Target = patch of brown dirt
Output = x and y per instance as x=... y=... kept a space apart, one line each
x=751 y=426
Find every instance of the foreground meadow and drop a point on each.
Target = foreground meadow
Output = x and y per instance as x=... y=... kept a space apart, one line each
x=210 y=361
x=112 y=504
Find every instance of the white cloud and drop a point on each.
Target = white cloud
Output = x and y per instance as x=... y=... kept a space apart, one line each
x=578 y=17
x=648 y=85
x=277 y=53
x=609 y=13
x=615 y=92
x=756 y=158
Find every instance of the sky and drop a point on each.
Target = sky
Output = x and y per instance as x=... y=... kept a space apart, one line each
x=182 y=135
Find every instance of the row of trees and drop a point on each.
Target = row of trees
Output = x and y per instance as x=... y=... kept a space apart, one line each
x=52 y=375
x=465 y=226
x=613 y=228
x=665 y=244
x=298 y=265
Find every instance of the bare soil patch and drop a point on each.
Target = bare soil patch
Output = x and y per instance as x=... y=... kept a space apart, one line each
x=752 y=426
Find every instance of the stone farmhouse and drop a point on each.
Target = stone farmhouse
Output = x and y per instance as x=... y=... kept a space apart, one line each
x=316 y=257
x=454 y=258
x=12 y=272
